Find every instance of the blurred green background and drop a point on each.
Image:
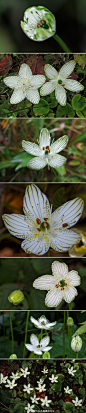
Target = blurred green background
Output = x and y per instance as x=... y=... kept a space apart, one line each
x=70 y=18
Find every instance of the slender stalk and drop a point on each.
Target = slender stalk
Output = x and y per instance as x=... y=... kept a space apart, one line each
x=64 y=337
x=41 y=333
x=62 y=44
x=77 y=355
x=70 y=306
x=4 y=336
x=27 y=319
x=11 y=327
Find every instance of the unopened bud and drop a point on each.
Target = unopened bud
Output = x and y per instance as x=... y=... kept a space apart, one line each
x=46 y=355
x=13 y=356
x=70 y=321
x=76 y=343
x=16 y=297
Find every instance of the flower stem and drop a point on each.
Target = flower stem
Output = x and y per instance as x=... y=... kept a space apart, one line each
x=62 y=44
x=4 y=337
x=70 y=307
x=41 y=333
x=64 y=336
x=77 y=355
x=11 y=333
x=28 y=312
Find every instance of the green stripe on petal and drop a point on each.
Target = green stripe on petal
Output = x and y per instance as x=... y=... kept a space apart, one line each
x=69 y=294
x=56 y=161
x=67 y=69
x=31 y=148
x=70 y=212
x=73 y=85
x=46 y=282
x=64 y=240
x=37 y=163
x=60 y=94
x=36 y=203
x=35 y=245
x=47 y=88
x=53 y=298
x=44 y=138
x=16 y=224
x=50 y=72
x=59 y=269
x=59 y=145
x=74 y=278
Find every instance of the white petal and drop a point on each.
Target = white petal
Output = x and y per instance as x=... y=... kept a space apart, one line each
x=37 y=351
x=17 y=96
x=11 y=81
x=34 y=340
x=36 y=246
x=58 y=145
x=29 y=347
x=31 y=148
x=25 y=71
x=33 y=95
x=37 y=80
x=47 y=348
x=16 y=225
x=60 y=94
x=32 y=16
x=50 y=71
x=46 y=282
x=53 y=298
x=67 y=69
x=45 y=341
x=64 y=240
x=73 y=85
x=37 y=163
x=36 y=203
x=70 y=212
x=55 y=161
x=47 y=88
x=59 y=269
x=73 y=278
x=44 y=138
x=69 y=294
x=33 y=320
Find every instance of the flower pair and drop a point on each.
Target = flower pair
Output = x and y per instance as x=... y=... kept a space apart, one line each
x=26 y=84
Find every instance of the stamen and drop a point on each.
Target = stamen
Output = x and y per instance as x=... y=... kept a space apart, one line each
x=38 y=221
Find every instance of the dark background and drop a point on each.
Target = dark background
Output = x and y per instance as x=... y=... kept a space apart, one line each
x=71 y=26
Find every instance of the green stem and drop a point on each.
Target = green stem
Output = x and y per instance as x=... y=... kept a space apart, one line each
x=11 y=333
x=70 y=306
x=62 y=44
x=64 y=337
x=27 y=319
x=41 y=333
x=4 y=337
x=76 y=355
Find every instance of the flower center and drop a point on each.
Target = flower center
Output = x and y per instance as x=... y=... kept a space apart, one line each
x=61 y=284
x=43 y=323
x=43 y=24
x=44 y=225
x=46 y=149
x=59 y=81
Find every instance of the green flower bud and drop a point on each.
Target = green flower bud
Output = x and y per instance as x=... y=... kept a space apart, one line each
x=13 y=356
x=70 y=321
x=46 y=355
x=76 y=343
x=16 y=297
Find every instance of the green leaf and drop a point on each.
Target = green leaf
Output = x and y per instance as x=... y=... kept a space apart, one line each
x=78 y=102
x=68 y=407
x=42 y=108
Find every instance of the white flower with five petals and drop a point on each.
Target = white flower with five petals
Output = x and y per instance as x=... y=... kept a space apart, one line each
x=41 y=387
x=46 y=154
x=45 y=370
x=67 y=390
x=77 y=402
x=30 y=408
x=27 y=388
x=11 y=384
x=53 y=379
x=59 y=81
x=25 y=85
x=42 y=229
x=16 y=375
x=34 y=399
x=61 y=284
x=3 y=378
x=39 y=23
x=38 y=347
x=42 y=322
x=71 y=371
x=25 y=372
x=45 y=401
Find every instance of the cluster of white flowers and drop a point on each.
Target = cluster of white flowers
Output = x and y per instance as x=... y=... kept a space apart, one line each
x=26 y=84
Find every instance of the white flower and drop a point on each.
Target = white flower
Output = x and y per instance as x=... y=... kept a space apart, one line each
x=53 y=379
x=61 y=284
x=25 y=372
x=34 y=399
x=45 y=370
x=45 y=401
x=77 y=402
x=42 y=322
x=39 y=23
x=71 y=371
x=39 y=228
x=36 y=346
x=46 y=154
x=59 y=81
x=16 y=375
x=76 y=343
x=27 y=388
x=67 y=390
x=29 y=408
x=40 y=381
x=25 y=85
x=41 y=388
x=11 y=384
x=3 y=378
